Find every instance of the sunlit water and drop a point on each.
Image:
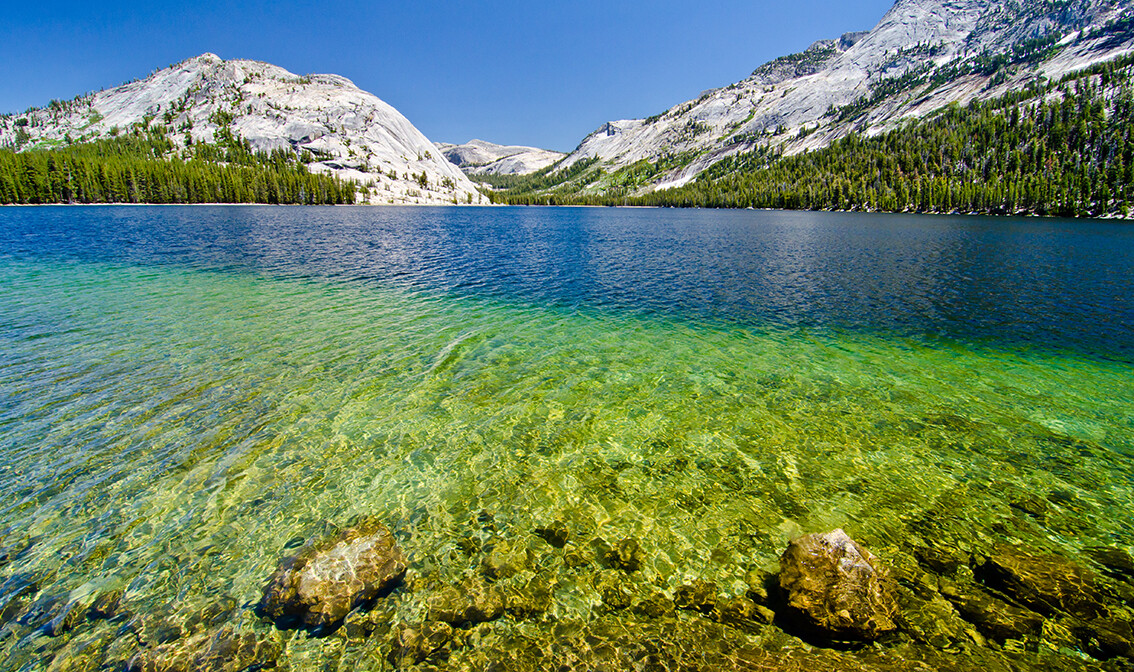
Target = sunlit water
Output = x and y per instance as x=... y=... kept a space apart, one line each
x=187 y=393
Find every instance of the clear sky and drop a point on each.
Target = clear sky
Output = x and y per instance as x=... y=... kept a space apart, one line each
x=509 y=71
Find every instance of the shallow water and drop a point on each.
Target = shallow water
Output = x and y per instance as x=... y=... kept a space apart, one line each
x=187 y=393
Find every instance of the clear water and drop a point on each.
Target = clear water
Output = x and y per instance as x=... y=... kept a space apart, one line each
x=185 y=392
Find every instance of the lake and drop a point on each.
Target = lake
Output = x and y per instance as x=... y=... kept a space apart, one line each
x=189 y=394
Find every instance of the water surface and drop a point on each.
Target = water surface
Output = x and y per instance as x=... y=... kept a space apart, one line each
x=186 y=393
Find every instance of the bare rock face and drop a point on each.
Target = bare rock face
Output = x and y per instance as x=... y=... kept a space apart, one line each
x=836 y=587
x=321 y=585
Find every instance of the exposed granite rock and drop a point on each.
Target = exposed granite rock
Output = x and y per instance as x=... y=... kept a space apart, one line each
x=325 y=581
x=470 y=601
x=1045 y=583
x=836 y=587
x=993 y=617
x=219 y=651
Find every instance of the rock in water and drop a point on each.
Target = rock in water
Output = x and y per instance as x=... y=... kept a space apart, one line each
x=221 y=651
x=837 y=588
x=321 y=585
x=1045 y=583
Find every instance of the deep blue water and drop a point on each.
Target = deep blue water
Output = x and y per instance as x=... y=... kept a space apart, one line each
x=1062 y=284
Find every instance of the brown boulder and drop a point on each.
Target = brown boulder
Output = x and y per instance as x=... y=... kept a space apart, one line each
x=321 y=585
x=837 y=588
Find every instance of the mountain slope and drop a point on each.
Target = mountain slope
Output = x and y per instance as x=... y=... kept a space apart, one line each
x=332 y=125
x=477 y=157
x=923 y=55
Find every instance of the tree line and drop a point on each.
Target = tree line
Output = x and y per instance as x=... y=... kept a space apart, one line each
x=1065 y=149
x=144 y=166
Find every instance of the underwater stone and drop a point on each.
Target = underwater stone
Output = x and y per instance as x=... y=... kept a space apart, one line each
x=470 y=601
x=836 y=587
x=555 y=534
x=611 y=587
x=220 y=651
x=993 y=617
x=575 y=556
x=85 y=653
x=738 y=611
x=66 y=619
x=325 y=581
x=657 y=605
x=625 y=555
x=938 y=559
x=106 y=605
x=1114 y=561
x=506 y=559
x=758 y=582
x=413 y=644
x=1106 y=638
x=697 y=596
x=530 y=599
x=212 y=614
x=1045 y=583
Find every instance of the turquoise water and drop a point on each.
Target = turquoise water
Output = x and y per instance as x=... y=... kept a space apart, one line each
x=170 y=427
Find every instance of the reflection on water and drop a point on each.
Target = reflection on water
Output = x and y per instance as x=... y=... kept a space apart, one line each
x=1056 y=283
x=187 y=393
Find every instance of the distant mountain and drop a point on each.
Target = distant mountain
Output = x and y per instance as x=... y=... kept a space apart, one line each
x=477 y=157
x=335 y=127
x=922 y=56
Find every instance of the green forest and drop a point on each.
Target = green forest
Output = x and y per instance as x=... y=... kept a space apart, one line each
x=144 y=166
x=1062 y=149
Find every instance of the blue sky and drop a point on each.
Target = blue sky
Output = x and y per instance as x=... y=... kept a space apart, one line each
x=534 y=73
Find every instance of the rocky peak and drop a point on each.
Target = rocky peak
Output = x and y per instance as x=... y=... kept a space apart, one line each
x=327 y=120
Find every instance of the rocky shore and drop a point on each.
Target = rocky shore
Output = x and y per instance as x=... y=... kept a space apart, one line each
x=832 y=605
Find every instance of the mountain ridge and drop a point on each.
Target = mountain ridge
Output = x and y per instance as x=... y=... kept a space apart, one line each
x=479 y=157
x=921 y=56
x=336 y=127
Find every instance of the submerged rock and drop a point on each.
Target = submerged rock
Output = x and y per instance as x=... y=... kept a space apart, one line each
x=1115 y=561
x=506 y=559
x=993 y=617
x=413 y=644
x=697 y=596
x=106 y=605
x=1045 y=583
x=836 y=587
x=471 y=601
x=555 y=534
x=321 y=585
x=67 y=618
x=220 y=651
x=625 y=555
